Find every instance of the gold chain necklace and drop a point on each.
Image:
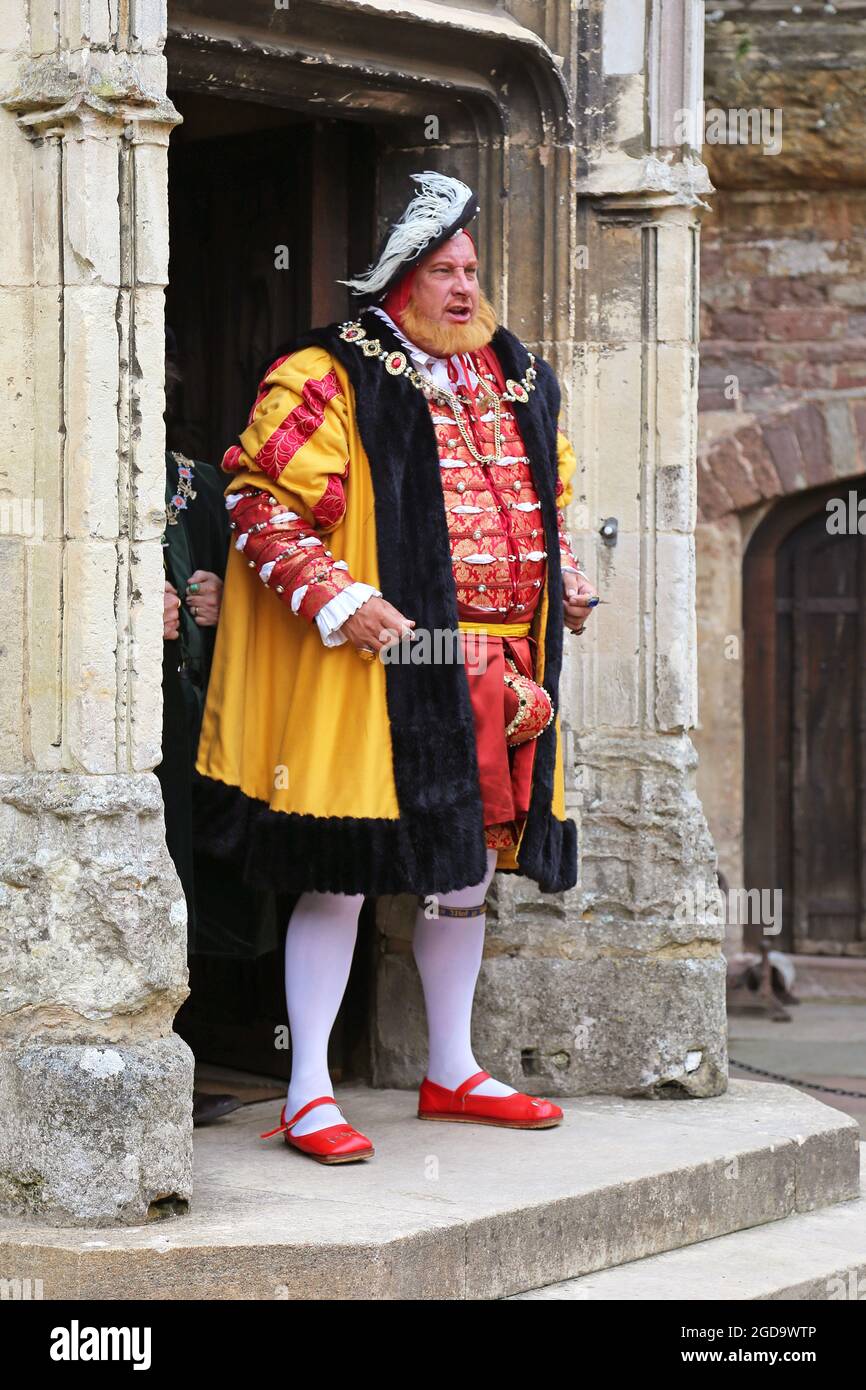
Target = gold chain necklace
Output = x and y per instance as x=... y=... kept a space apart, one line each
x=397 y=364
x=459 y=418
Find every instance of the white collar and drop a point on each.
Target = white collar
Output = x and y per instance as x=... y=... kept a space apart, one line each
x=436 y=368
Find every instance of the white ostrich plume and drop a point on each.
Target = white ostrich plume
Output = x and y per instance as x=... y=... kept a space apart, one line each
x=440 y=202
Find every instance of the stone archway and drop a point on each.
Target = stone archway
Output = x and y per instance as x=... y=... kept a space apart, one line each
x=804 y=625
x=481 y=97
x=772 y=467
x=782 y=453
x=592 y=217
x=95 y=963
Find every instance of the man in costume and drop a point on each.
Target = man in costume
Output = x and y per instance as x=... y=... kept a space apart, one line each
x=401 y=475
x=195 y=544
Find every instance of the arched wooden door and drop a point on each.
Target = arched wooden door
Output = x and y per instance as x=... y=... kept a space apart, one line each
x=804 y=619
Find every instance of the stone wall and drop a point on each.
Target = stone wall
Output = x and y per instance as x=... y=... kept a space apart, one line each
x=95 y=1088
x=566 y=116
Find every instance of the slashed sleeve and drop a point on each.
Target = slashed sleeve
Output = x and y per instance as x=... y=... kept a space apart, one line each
x=288 y=491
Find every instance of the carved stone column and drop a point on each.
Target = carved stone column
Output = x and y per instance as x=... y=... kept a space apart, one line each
x=617 y=986
x=651 y=982
x=95 y=1088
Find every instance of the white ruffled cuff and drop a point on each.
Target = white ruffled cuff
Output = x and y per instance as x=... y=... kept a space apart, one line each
x=334 y=613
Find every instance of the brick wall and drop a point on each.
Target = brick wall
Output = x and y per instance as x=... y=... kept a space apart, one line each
x=783 y=344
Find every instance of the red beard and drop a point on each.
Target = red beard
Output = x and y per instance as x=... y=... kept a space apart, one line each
x=446 y=339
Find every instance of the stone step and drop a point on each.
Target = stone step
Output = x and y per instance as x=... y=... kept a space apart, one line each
x=816 y=1255
x=458 y=1211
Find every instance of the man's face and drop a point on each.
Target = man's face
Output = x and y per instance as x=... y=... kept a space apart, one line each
x=445 y=286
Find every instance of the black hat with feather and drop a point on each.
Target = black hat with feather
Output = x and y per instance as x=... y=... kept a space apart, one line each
x=442 y=207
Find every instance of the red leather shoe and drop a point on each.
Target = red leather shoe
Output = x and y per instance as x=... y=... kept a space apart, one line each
x=512 y=1112
x=335 y=1144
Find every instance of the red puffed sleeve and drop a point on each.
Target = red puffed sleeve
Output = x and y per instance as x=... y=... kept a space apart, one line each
x=291 y=472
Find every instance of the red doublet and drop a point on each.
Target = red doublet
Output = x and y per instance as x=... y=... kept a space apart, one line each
x=499 y=561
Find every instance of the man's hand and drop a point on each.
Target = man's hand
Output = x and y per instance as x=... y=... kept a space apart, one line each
x=170 y=614
x=376 y=624
x=577 y=591
x=204 y=594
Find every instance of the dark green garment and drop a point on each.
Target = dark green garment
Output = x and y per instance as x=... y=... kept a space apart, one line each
x=225 y=917
x=198 y=541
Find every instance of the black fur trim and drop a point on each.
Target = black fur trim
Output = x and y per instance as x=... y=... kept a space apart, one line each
x=548 y=850
x=330 y=854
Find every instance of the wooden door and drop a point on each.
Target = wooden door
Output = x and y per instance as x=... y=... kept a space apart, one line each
x=235 y=197
x=805 y=705
x=262 y=226
x=229 y=298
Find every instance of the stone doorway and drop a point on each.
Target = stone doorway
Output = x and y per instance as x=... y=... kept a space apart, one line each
x=267 y=208
x=805 y=715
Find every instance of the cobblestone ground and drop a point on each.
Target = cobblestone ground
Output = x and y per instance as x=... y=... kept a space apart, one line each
x=824 y=1043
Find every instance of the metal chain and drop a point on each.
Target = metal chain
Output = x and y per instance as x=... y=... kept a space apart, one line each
x=792 y=1080
x=457 y=411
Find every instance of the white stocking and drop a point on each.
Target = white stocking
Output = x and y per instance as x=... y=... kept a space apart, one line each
x=320 y=942
x=447 y=952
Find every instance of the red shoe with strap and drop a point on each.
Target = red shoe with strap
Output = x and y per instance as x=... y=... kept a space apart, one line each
x=335 y=1144
x=517 y=1111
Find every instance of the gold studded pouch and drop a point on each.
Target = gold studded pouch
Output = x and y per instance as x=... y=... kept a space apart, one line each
x=528 y=707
